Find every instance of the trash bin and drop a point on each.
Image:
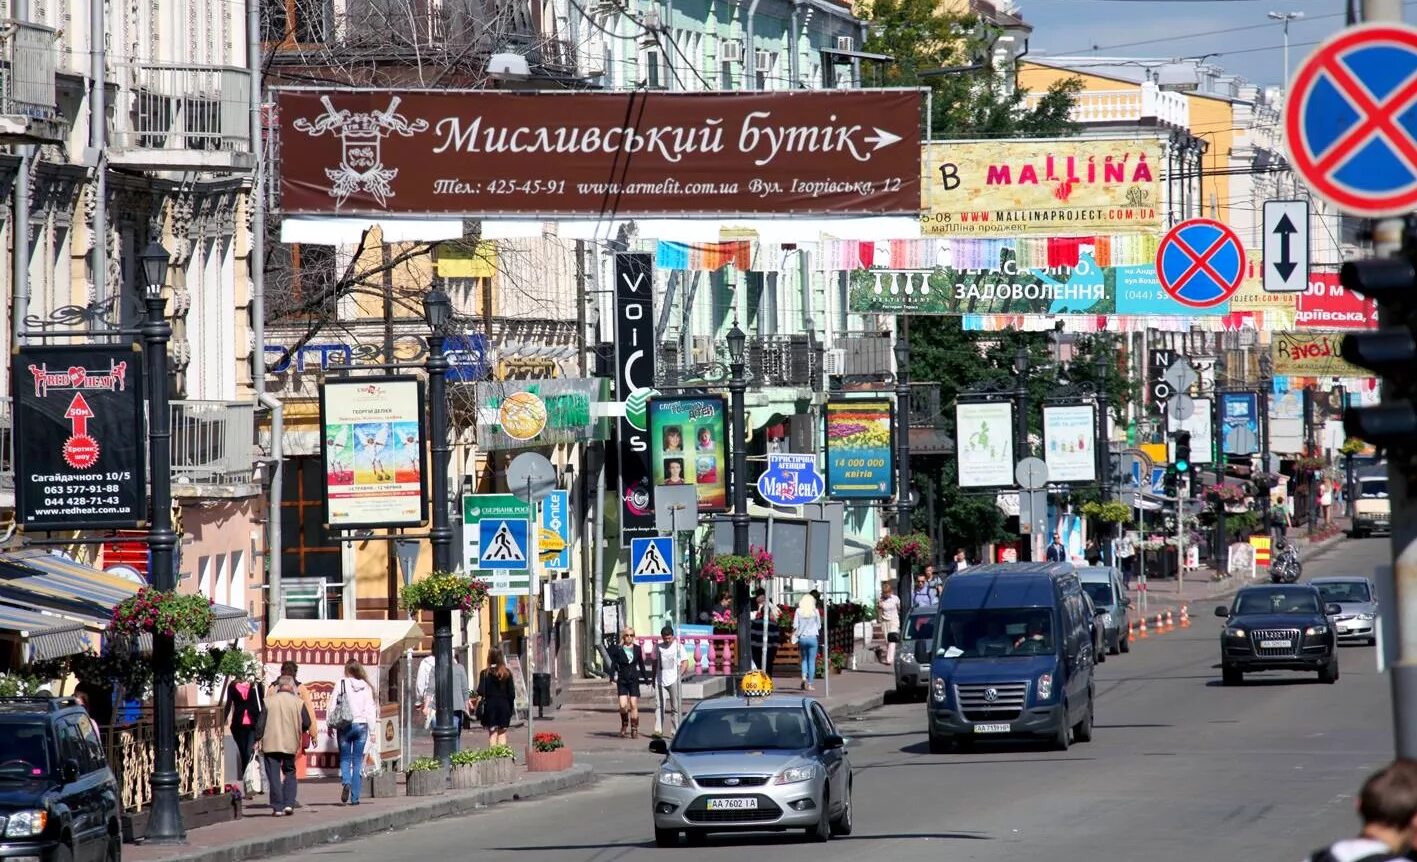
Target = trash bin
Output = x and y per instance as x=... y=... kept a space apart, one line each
x=541 y=689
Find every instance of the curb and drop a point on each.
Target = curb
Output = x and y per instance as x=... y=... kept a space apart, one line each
x=857 y=705
x=1230 y=585
x=434 y=809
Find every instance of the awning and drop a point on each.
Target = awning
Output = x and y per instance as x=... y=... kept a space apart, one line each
x=43 y=637
x=35 y=578
x=388 y=633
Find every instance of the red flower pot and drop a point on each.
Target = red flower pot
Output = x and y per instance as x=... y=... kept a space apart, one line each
x=548 y=761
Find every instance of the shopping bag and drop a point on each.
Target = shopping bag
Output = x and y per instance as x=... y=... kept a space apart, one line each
x=255 y=777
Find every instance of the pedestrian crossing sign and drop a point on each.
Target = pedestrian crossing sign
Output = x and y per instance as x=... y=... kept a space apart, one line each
x=503 y=543
x=652 y=560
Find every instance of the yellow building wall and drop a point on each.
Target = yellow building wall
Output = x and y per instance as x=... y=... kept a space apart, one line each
x=1212 y=120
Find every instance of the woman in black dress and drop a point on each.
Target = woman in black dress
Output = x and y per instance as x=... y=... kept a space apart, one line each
x=627 y=668
x=498 y=693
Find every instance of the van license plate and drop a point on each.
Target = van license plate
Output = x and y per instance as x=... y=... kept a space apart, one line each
x=732 y=803
x=1276 y=644
x=991 y=728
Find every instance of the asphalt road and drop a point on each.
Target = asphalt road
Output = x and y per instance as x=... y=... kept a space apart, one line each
x=1180 y=769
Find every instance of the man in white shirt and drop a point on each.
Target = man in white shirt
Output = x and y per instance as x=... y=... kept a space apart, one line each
x=1388 y=805
x=426 y=689
x=671 y=663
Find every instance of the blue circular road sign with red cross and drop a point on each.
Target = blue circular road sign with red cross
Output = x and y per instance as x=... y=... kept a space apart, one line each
x=1200 y=262
x=1350 y=121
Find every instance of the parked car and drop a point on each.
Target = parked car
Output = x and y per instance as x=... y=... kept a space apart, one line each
x=1372 y=510
x=1104 y=585
x=1013 y=656
x=739 y=765
x=1357 y=601
x=1272 y=627
x=59 y=801
x=917 y=642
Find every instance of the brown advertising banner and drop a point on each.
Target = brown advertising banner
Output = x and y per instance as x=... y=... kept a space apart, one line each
x=376 y=152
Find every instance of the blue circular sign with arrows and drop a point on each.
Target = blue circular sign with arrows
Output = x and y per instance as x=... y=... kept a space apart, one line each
x=791 y=480
x=1200 y=262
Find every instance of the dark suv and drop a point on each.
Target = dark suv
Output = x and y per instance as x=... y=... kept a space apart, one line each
x=1278 y=628
x=59 y=801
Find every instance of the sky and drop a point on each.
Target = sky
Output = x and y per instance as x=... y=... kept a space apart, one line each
x=1238 y=32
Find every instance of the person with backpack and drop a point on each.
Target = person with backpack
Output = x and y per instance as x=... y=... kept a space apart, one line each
x=1388 y=805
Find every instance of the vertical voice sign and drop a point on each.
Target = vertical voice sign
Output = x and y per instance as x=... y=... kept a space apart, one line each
x=634 y=384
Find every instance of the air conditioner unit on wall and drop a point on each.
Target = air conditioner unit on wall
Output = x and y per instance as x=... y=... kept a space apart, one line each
x=730 y=51
x=764 y=61
x=846 y=43
x=834 y=361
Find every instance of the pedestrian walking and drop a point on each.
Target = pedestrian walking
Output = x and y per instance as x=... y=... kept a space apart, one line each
x=627 y=669
x=1093 y=554
x=958 y=564
x=292 y=670
x=935 y=580
x=496 y=698
x=764 y=634
x=1280 y=519
x=1326 y=500
x=355 y=716
x=671 y=664
x=244 y=707
x=888 y=612
x=807 y=634
x=284 y=723
x=461 y=719
x=1126 y=558
x=1056 y=552
x=1388 y=806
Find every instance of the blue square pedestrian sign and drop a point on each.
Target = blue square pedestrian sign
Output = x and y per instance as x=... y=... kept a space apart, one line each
x=652 y=560
x=503 y=543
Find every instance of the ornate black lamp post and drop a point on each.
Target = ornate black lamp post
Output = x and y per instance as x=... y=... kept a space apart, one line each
x=437 y=312
x=165 y=821
x=738 y=390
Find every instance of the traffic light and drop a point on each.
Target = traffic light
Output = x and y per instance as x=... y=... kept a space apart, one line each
x=1390 y=351
x=1183 y=452
x=1172 y=482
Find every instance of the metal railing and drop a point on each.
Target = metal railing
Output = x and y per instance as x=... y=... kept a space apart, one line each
x=132 y=750
x=184 y=107
x=785 y=360
x=212 y=442
x=29 y=56
x=866 y=355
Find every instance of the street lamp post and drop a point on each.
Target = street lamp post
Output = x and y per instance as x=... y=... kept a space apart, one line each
x=1286 y=17
x=738 y=389
x=1104 y=450
x=437 y=311
x=903 y=505
x=1266 y=384
x=1025 y=546
x=165 y=822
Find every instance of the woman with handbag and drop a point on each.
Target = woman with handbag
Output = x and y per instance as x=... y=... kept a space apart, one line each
x=244 y=706
x=353 y=717
x=292 y=670
x=807 y=634
x=496 y=698
x=627 y=668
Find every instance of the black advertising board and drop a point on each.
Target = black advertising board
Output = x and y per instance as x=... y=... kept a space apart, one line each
x=79 y=437
x=634 y=384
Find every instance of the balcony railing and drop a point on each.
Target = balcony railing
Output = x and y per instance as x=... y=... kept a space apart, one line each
x=770 y=360
x=183 y=115
x=863 y=355
x=1148 y=104
x=212 y=442
x=28 y=100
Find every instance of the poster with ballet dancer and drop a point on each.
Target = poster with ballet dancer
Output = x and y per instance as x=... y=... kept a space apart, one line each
x=372 y=444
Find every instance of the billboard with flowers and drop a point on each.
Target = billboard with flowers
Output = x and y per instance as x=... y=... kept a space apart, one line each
x=860 y=454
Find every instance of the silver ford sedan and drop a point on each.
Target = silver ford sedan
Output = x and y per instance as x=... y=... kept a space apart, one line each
x=766 y=764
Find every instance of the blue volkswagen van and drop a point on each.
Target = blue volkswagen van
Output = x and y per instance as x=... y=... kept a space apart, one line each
x=1013 y=657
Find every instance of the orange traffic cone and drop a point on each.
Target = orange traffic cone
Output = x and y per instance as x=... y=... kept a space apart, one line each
x=1141 y=629
x=1185 y=617
x=1160 y=624
x=1169 y=625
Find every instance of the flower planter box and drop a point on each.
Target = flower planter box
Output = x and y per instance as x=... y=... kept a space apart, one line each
x=548 y=761
x=426 y=783
x=382 y=785
x=484 y=774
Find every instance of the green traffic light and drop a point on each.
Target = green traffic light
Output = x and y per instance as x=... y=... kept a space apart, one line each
x=1183 y=466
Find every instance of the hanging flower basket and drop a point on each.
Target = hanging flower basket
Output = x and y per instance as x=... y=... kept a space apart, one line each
x=1228 y=496
x=159 y=612
x=734 y=568
x=914 y=547
x=1109 y=512
x=444 y=591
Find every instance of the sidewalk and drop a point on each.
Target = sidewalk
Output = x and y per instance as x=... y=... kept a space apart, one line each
x=323 y=820
x=1200 y=585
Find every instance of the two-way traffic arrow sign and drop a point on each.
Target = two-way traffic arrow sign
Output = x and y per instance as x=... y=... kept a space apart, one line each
x=1286 y=246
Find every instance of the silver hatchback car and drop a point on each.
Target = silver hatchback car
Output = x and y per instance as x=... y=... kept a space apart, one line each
x=917 y=648
x=738 y=765
x=1357 y=600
